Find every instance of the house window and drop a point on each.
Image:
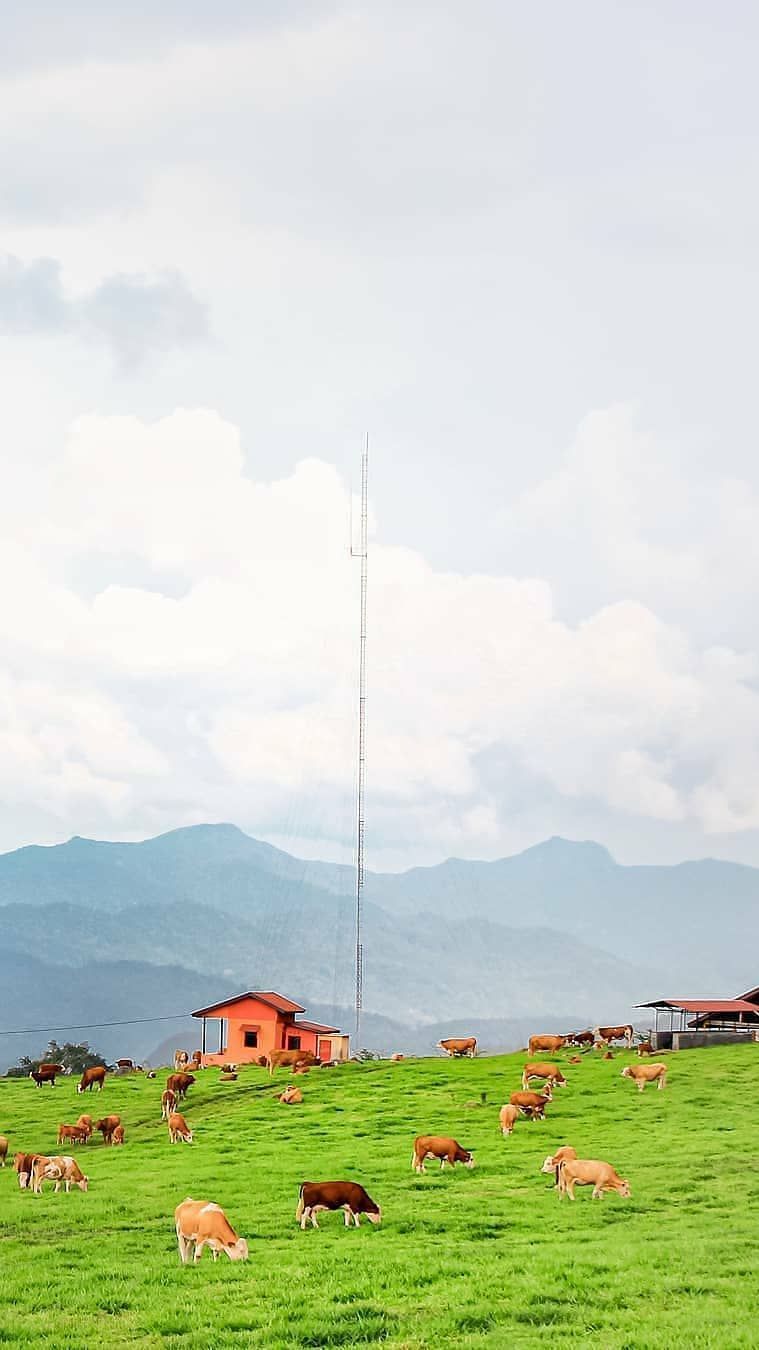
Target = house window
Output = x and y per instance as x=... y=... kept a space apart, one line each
x=293 y=1042
x=250 y=1040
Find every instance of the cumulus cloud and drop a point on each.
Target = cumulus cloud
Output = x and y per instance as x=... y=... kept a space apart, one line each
x=136 y=315
x=231 y=693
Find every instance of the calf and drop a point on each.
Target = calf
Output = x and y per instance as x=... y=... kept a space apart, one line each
x=590 y=1172
x=646 y=1073
x=107 y=1126
x=549 y=1073
x=3 y=1149
x=554 y=1160
x=64 y=1171
x=292 y=1096
x=508 y=1116
x=348 y=1196
x=179 y=1129
x=201 y=1223
x=73 y=1133
x=532 y=1104
x=581 y=1038
x=645 y=1048
x=179 y=1083
x=118 y=1136
x=168 y=1102
x=92 y=1078
x=439 y=1146
x=85 y=1123
x=46 y=1073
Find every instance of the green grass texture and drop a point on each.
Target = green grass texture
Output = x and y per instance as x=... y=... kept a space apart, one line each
x=487 y=1257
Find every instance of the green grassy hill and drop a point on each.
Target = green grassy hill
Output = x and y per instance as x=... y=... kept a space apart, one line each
x=488 y=1257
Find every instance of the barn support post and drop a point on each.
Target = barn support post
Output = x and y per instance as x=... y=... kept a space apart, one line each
x=221 y=1035
x=203 y=1036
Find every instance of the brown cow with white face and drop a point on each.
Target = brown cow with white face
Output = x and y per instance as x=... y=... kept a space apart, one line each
x=532 y=1104
x=348 y=1196
x=621 y=1033
x=92 y=1078
x=548 y=1073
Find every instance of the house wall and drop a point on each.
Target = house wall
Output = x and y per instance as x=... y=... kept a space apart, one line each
x=275 y=1031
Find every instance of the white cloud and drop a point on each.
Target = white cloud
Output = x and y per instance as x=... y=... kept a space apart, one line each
x=231 y=692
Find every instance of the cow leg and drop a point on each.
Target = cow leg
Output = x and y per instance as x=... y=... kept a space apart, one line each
x=597 y=1193
x=641 y=1084
x=662 y=1082
x=199 y=1250
x=347 y=1215
x=304 y=1218
x=357 y=1219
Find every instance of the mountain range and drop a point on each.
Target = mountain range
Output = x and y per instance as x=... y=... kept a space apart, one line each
x=96 y=932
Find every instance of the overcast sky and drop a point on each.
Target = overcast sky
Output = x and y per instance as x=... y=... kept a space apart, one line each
x=517 y=244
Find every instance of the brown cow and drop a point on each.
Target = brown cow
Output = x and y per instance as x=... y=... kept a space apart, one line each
x=179 y=1083
x=107 y=1126
x=179 y=1130
x=118 y=1135
x=466 y=1045
x=575 y=1059
x=278 y=1059
x=622 y=1033
x=442 y=1147
x=536 y=1044
x=397 y=1057
x=168 y=1102
x=85 y=1123
x=590 y=1172
x=94 y=1077
x=645 y=1048
x=3 y=1149
x=646 y=1073
x=550 y=1073
x=554 y=1160
x=46 y=1073
x=581 y=1038
x=532 y=1104
x=508 y=1116
x=23 y=1164
x=201 y=1223
x=348 y=1196
x=292 y=1096
x=197 y=1060
x=181 y=1060
x=73 y=1133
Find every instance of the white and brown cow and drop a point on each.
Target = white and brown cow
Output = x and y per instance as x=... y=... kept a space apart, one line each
x=621 y=1033
x=201 y=1223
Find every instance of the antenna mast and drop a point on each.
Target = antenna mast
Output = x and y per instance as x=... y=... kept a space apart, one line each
x=361 y=553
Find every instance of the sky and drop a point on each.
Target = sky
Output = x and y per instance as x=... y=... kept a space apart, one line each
x=517 y=246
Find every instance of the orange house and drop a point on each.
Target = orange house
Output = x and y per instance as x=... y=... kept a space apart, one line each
x=252 y=1024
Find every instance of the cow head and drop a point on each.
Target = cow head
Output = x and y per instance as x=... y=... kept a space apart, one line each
x=374 y=1215
x=626 y=1072
x=238 y=1251
x=624 y=1189
x=83 y=1183
x=549 y=1165
x=469 y=1159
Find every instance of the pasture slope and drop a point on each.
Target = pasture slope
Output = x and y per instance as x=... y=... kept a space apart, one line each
x=488 y=1257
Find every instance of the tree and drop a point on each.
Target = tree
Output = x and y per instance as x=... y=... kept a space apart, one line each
x=74 y=1058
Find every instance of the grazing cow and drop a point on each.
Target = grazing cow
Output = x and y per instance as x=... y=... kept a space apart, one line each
x=3 y=1149
x=118 y=1135
x=74 y=1134
x=646 y=1073
x=590 y=1172
x=550 y=1073
x=168 y=1102
x=645 y=1048
x=467 y=1045
x=536 y=1044
x=179 y=1084
x=348 y=1196
x=278 y=1059
x=201 y=1223
x=64 y=1171
x=532 y=1104
x=623 y=1033
x=575 y=1059
x=181 y=1060
x=85 y=1123
x=46 y=1073
x=581 y=1038
x=554 y=1160
x=508 y=1116
x=179 y=1130
x=292 y=1096
x=439 y=1146
x=107 y=1126
x=91 y=1078
x=23 y=1164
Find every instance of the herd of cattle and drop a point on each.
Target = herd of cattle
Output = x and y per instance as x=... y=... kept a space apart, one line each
x=202 y=1223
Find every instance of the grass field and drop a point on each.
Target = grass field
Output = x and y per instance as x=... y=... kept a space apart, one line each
x=488 y=1257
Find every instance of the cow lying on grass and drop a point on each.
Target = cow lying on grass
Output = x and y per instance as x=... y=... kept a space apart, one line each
x=646 y=1073
x=439 y=1146
x=590 y=1172
x=201 y=1223
x=348 y=1196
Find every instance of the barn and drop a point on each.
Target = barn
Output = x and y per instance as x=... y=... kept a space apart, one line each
x=253 y=1023
x=684 y=1023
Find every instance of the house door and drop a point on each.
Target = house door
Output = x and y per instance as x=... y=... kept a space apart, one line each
x=325 y=1050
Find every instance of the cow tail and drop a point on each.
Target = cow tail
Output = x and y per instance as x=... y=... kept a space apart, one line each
x=301 y=1206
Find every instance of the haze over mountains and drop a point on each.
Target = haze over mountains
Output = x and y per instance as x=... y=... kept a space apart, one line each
x=95 y=932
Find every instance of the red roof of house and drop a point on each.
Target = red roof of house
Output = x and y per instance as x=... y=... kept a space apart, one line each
x=316 y=1026
x=703 y=1005
x=283 y=1005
